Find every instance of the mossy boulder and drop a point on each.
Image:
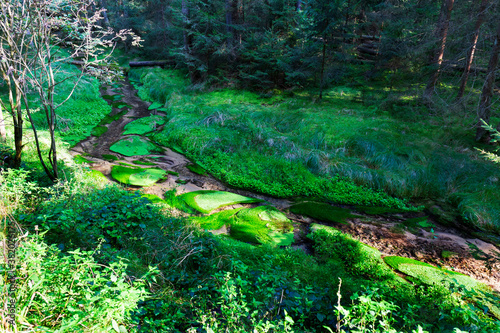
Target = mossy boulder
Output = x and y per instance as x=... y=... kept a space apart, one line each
x=137 y=176
x=432 y=275
x=262 y=225
x=143 y=125
x=133 y=146
x=207 y=201
x=322 y=211
x=429 y=274
x=217 y=220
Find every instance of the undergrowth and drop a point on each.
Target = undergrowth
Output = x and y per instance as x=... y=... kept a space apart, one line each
x=351 y=147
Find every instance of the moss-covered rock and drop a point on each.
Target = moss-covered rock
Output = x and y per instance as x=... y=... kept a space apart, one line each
x=207 y=201
x=322 y=211
x=262 y=225
x=143 y=125
x=133 y=146
x=137 y=176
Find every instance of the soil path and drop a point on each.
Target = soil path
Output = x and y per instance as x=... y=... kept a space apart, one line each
x=465 y=254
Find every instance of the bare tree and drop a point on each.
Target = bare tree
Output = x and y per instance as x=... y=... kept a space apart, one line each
x=36 y=38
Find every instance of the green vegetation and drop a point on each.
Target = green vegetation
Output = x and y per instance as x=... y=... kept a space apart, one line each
x=262 y=225
x=353 y=154
x=206 y=201
x=197 y=169
x=137 y=176
x=322 y=211
x=133 y=146
x=143 y=125
x=99 y=130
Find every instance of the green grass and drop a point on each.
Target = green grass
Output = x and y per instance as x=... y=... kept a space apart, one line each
x=361 y=145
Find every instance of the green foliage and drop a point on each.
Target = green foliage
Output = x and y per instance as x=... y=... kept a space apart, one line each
x=133 y=146
x=137 y=176
x=84 y=218
x=18 y=191
x=70 y=291
x=322 y=211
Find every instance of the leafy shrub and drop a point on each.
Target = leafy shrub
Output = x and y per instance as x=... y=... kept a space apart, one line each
x=70 y=292
x=84 y=219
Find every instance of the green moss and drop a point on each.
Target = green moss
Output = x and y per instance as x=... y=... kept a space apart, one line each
x=97 y=175
x=80 y=159
x=262 y=225
x=133 y=146
x=206 y=201
x=217 y=220
x=155 y=105
x=153 y=198
x=127 y=164
x=415 y=223
x=429 y=274
x=173 y=173
x=99 y=130
x=143 y=125
x=109 y=157
x=322 y=211
x=448 y=254
x=377 y=210
x=197 y=169
x=137 y=176
x=357 y=258
x=110 y=118
x=146 y=163
x=120 y=105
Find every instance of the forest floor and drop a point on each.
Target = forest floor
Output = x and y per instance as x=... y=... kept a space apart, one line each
x=440 y=245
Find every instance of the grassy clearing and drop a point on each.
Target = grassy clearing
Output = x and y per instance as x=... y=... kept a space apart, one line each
x=294 y=146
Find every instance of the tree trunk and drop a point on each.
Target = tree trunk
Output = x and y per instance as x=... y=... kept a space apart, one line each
x=442 y=34
x=470 y=54
x=484 y=109
x=187 y=41
x=322 y=82
x=3 y=133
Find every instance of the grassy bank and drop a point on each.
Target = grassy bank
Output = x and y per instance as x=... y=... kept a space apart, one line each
x=383 y=140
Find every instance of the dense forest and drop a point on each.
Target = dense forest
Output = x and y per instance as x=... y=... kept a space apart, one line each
x=250 y=166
